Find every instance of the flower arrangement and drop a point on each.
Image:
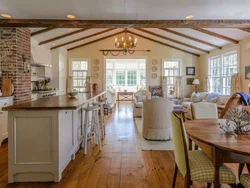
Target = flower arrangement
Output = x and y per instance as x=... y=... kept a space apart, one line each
x=237 y=122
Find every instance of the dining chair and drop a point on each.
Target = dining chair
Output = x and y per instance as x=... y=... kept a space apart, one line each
x=245 y=180
x=233 y=102
x=204 y=110
x=194 y=165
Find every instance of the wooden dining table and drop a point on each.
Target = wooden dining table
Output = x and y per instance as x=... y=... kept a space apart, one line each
x=220 y=147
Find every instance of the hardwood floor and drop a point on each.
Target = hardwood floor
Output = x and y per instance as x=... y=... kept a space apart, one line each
x=121 y=163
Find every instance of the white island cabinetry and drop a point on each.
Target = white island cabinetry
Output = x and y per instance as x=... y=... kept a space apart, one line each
x=43 y=141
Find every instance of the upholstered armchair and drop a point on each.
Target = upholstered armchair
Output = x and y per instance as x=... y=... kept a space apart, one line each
x=139 y=97
x=156 y=91
x=155 y=119
x=111 y=96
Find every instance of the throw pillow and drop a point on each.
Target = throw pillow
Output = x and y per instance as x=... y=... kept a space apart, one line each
x=196 y=97
x=211 y=96
x=216 y=100
x=141 y=98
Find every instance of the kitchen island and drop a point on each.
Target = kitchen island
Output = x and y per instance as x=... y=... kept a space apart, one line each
x=44 y=136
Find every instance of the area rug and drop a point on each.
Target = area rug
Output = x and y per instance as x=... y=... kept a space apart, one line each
x=151 y=145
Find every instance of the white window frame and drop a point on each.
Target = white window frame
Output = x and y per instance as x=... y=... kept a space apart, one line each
x=179 y=67
x=78 y=59
x=105 y=58
x=126 y=73
x=221 y=55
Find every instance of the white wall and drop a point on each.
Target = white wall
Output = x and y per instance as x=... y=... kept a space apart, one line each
x=244 y=60
x=59 y=68
x=158 y=52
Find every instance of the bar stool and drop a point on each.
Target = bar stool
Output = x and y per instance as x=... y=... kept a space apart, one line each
x=100 y=104
x=92 y=125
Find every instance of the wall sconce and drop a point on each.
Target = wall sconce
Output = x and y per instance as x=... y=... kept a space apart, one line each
x=249 y=88
x=26 y=66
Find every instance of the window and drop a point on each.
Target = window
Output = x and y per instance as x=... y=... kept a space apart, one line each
x=126 y=73
x=220 y=70
x=171 y=69
x=79 y=69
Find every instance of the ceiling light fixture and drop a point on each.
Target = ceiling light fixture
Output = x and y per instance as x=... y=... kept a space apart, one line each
x=6 y=15
x=71 y=16
x=189 y=17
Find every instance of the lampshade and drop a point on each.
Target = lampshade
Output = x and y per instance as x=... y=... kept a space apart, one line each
x=196 y=82
x=249 y=85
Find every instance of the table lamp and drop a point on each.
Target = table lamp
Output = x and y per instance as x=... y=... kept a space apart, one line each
x=196 y=82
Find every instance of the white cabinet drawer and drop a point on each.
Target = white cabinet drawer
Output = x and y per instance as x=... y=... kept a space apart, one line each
x=6 y=102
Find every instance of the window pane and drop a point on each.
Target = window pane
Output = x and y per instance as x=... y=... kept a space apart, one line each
x=131 y=78
x=109 y=66
x=120 y=65
x=84 y=65
x=143 y=79
x=142 y=65
x=132 y=66
x=109 y=79
x=120 y=78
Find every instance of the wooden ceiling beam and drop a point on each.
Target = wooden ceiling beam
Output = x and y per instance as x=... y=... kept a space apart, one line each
x=83 y=38
x=124 y=23
x=190 y=38
x=62 y=36
x=41 y=31
x=172 y=40
x=216 y=35
x=91 y=42
x=162 y=43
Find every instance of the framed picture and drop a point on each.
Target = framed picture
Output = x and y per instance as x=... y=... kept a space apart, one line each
x=247 y=72
x=190 y=71
x=190 y=81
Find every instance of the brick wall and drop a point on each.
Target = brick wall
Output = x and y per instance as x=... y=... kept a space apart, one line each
x=14 y=43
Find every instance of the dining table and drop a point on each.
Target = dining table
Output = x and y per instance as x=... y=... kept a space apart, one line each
x=218 y=145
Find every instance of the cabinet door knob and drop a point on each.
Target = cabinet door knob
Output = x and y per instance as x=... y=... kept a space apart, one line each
x=66 y=112
x=5 y=103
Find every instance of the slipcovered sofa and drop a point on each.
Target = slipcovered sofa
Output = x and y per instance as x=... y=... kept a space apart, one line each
x=187 y=103
x=156 y=119
x=139 y=97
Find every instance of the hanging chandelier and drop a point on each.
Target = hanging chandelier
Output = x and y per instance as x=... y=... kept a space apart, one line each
x=126 y=42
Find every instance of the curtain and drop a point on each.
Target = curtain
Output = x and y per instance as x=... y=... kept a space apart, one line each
x=178 y=87
x=235 y=83
x=206 y=84
x=164 y=86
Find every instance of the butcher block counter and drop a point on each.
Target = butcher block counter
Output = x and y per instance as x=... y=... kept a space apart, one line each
x=44 y=136
x=60 y=102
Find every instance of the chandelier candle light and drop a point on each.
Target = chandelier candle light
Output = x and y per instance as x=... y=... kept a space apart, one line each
x=126 y=43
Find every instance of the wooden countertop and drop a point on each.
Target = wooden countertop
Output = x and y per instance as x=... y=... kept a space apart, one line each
x=60 y=102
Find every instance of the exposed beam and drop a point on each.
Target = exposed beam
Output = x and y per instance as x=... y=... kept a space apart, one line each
x=41 y=31
x=83 y=38
x=216 y=35
x=62 y=36
x=124 y=23
x=191 y=38
x=162 y=43
x=173 y=40
x=91 y=42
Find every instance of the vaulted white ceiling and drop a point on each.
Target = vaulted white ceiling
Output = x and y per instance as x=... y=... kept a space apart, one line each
x=236 y=34
x=126 y=9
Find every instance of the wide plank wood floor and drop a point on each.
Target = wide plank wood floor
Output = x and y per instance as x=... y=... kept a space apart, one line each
x=120 y=164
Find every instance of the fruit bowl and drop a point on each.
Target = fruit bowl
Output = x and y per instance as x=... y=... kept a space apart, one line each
x=72 y=94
